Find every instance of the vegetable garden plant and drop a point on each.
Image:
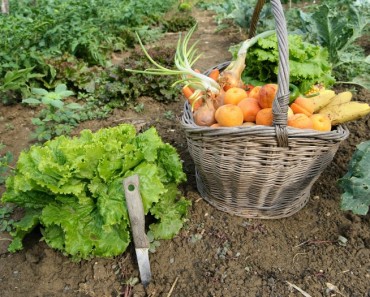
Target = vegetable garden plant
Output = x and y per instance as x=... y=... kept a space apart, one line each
x=72 y=187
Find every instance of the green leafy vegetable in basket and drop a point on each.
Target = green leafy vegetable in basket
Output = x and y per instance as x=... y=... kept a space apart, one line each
x=309 y=64
x=73 y=188
x=356 y=182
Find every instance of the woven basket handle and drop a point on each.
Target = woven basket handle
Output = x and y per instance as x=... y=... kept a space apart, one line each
x=281 y=102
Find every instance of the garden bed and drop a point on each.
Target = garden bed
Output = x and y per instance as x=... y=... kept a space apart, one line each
x=215 y=254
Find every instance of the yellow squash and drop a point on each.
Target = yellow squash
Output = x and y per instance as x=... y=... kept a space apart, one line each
x=322 y=99
x=340 y=98
x=346 y=112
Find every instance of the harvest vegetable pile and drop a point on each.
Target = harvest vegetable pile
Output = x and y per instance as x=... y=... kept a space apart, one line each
x=73 y=188
x=224 y=99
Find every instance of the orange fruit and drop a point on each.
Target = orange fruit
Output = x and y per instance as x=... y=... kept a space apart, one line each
x=321 y=122
x=229 y=115
x=250 y=108
x=300 y=120
x=235 y=95
x=254 y=92
x=264 y=117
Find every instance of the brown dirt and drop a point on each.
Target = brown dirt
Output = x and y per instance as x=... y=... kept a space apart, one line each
x=216 y=254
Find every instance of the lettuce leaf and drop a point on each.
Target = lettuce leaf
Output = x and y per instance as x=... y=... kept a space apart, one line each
x=169 y=212
x=72 y=188
x=309 y=64
x=30 y=220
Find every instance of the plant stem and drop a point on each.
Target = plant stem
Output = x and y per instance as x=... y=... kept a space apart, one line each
x=250 y=42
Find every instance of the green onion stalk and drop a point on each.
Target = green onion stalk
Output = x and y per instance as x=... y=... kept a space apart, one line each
x=185 y=58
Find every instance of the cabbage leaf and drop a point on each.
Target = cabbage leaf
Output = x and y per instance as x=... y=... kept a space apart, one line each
x=356 y=182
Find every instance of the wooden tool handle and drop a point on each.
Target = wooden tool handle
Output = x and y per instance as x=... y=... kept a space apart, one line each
x=135 y=211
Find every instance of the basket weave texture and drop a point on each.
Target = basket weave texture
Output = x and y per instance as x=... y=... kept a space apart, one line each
x=260 y=171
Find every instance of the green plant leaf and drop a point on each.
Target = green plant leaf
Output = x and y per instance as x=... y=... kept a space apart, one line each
x=356 y=182
x=23 y=227
x=46 y=100
x=14 y=80
x=151 y=187
x=65 y=94
x=74 y=106
x=363 y=81
x=36 y=121
x=309 y=63
x=337 y=28
x=169 y=211
x=40 y=92
x=56 y=103
x=31 y=101
x=75 y=187
x=60 y=88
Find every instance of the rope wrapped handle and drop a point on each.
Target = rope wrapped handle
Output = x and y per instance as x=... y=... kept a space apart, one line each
x=281 y=102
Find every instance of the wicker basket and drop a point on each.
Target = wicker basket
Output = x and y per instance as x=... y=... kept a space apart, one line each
x=260 y=171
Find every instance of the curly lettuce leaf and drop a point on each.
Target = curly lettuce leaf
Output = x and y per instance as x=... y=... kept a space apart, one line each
x=151 y=186
x=170 y=165
x=83 y=231
x=111 y=204
x=30 y=198
x=309 y=64
x=169 y=211
x=54 y=236
x=23 y=227
x=74 y=185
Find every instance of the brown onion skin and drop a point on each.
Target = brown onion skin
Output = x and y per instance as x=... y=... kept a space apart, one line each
x=205 y=115
x=218 y=100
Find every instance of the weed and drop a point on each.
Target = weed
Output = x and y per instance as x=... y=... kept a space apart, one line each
x=169 y=115
x=179 y=22
x=9 y=127
x=223 y=252
x=6 y=223
x=56 y=118
x=139 y=107
x=93 y=109
x=128 y=285
x=5 y=160
x=195 y=237
x=153 y=244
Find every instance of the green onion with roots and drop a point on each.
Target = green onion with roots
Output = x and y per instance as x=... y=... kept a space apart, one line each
x=185 y=58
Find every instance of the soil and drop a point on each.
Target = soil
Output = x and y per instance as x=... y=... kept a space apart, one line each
x=216 y=254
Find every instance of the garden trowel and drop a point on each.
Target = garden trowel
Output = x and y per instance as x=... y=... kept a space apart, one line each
x=137 y=219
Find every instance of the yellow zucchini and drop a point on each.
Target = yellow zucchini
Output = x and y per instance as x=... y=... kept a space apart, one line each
x=346 y=112
x=322 y=99
x=340 y=98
